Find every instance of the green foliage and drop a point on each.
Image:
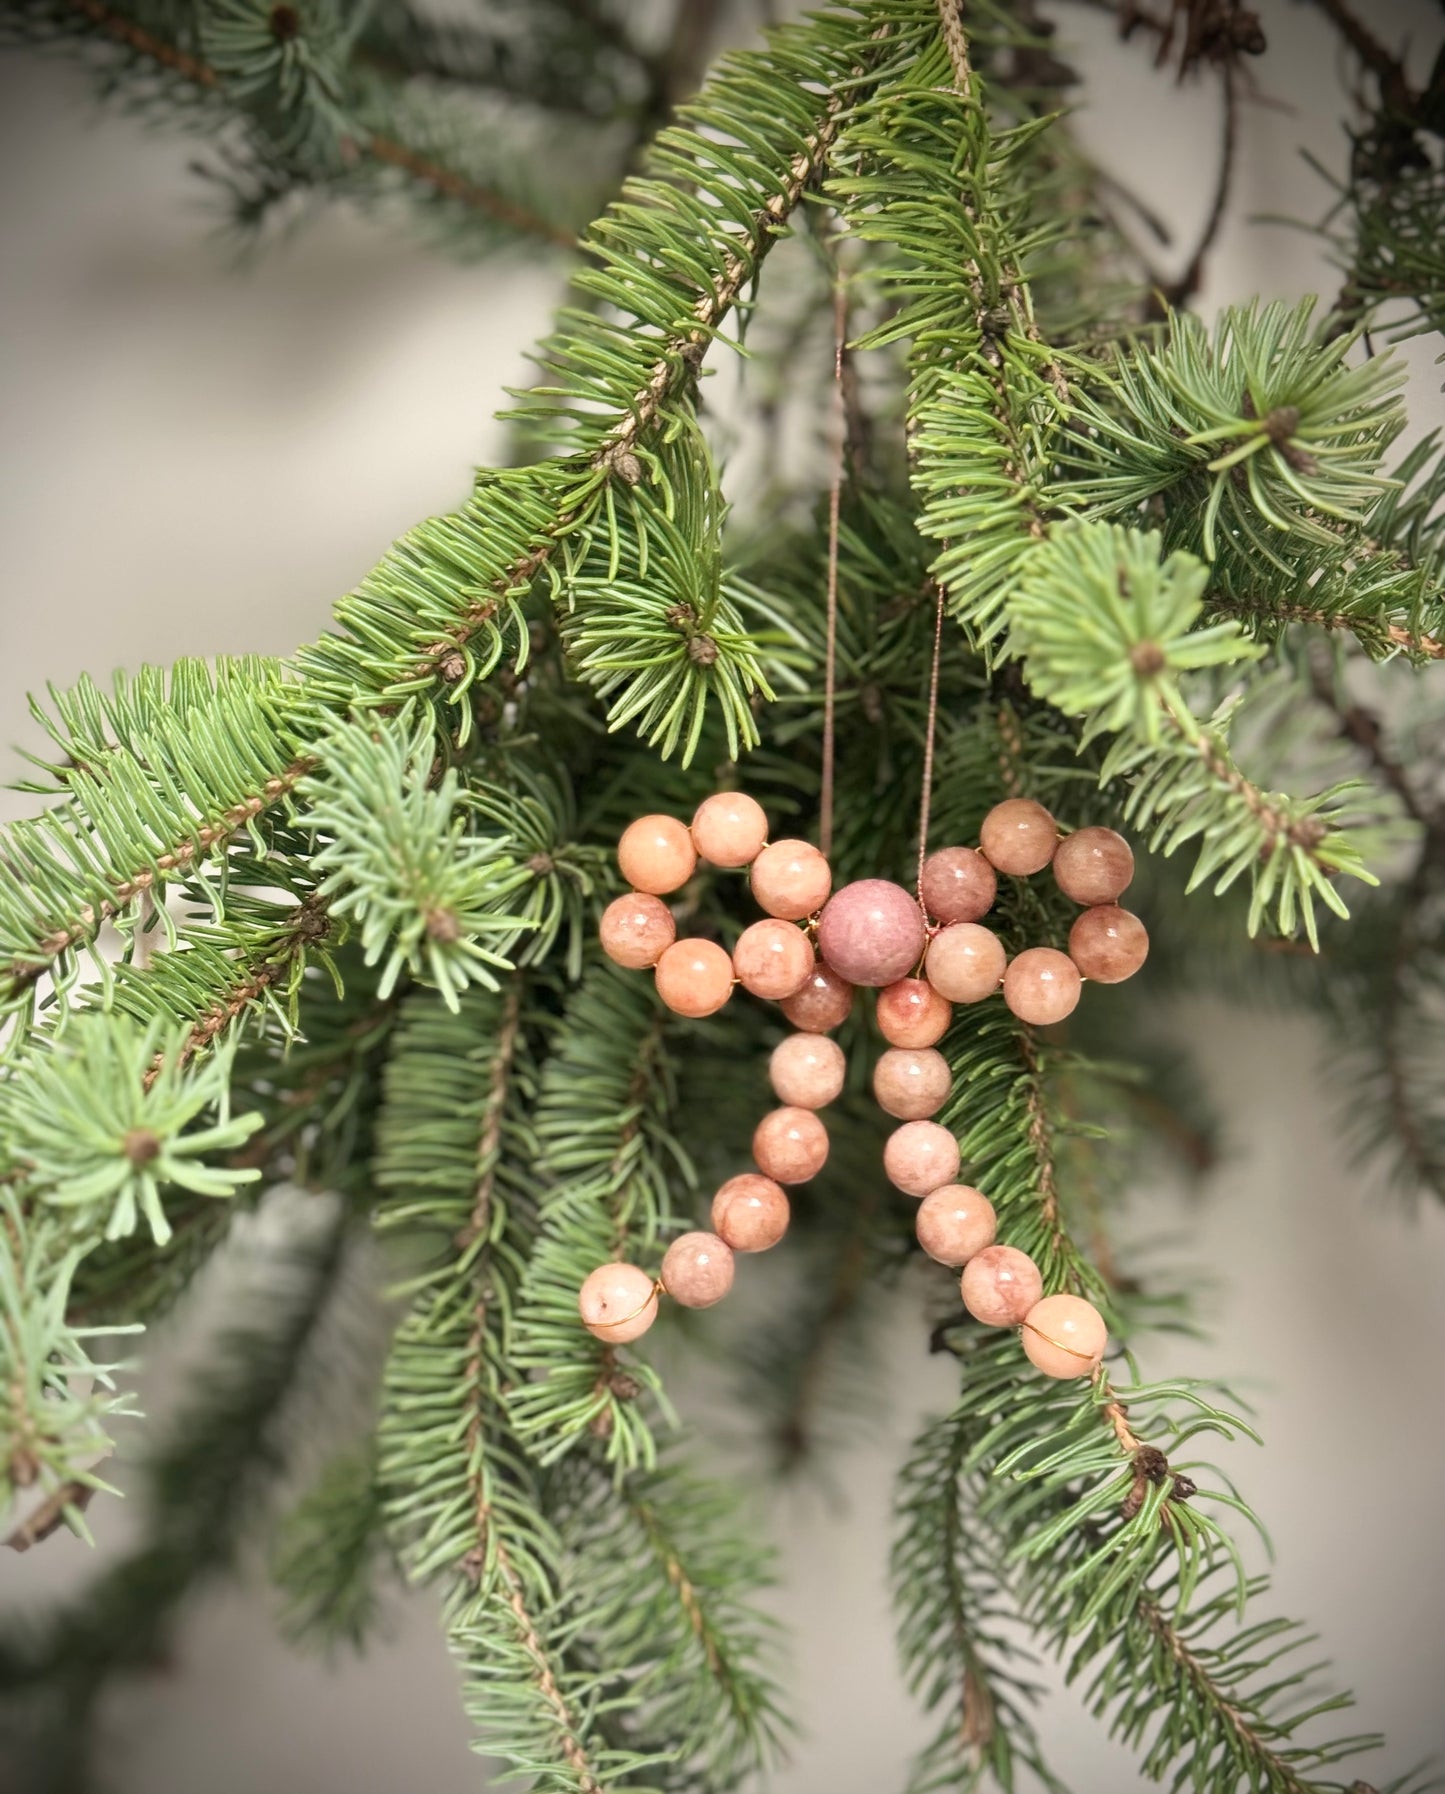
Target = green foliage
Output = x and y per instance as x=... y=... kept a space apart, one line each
x=330 y=1557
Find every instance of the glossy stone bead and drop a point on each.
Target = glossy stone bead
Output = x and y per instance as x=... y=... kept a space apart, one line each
x=1108 y=944
x=791 y=879
x=618 y=1303
x=636 y=930
x=1000 y=1285
x=772 y=959
x=790 y=1145
x=912 y=1014
x=694 y=977
x=656 y=854
x=954 y=1223
x=912 y=1082
x=697 y=1269
x=823 y=1003
x=750 y=1212
x=965 y=962
x=1018 y=836
x=807 y=1070
x=920 y=1157
x=871 y=932
x=1064 y=1336
x=958 y=885
x=729 y=829
x=1093 y=865
x=1042 y=986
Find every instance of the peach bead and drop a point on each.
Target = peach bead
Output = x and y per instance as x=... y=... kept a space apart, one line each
x=695 y=977
x=824 y=1002
x=807 y=1070
x=618 y=1303
x=1064 y=1336
x=1000 y=1285
x=656 y=854
x=920 y=1157
x=872 y=931
x=636 y=930
x=958 y=885
x=729 y=829
x=697 y=1269
x=791 y=879
x=911 y=1082
x=1108 y=944
x=790 y=1145
x=912 y=1014
x=954 y=1223
x=750 y=1212
x=1018 y=836
x=772 y=959
x=965 y=963
x=1041 y=986
x=1093 y=865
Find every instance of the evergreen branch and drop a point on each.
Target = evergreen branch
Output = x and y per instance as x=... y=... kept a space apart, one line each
x=328 y=1557
x=446 y=183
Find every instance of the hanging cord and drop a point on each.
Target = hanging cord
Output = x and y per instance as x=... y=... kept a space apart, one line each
x=926 y=799
x=837 y=449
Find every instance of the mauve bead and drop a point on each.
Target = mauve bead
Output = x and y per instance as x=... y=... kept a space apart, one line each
x=912 y=1082
x=825 y=1001
x=958 y=885
x=1093 y=865
x=1041 y=986
x=729 y=829
x=618 y=1303
x=1018 y=836
x=965 y=963
x=954 y=1223
x=791 y=879
x=656 y=854
x=912 y=1014
x=636 y=930
x=772 y=959
x=1064 y=1336
x=697 y=1269
x=1108 y=944
x=750 y=1212
x=790 y=1144
x=1000 y=1285
x=807 y=1070
x=872 y=932
x=695 y=977
x=920 y=1157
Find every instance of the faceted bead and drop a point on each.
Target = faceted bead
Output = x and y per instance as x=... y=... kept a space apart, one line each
x=1093 y=865
x=1064 y=1336
x=871 y=932
x=807 y=1070
x=1042 y=986
x=790 y=1145
x=695 y=977
x=912 y=1014
x=954 y=1223
x=750 y=1212
x=958 y=885
x=697 y=1270
x=1108 y=944
x=636 y=930
x=791 y=879
x=618 y=1303
x=965 y=962
x=920 y=1157
x=772 y=959
x=824 y=1002
x=729 y=829
x=912 y=1082
x=1018 y=836
x=656 y=854
x=1000 y=1285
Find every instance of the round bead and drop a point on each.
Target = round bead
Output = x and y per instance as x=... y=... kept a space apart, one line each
x=1064 y=1336
x=1000 y=1285
x=791 y=879
x=636 y=930
x=871 y=932
x=807 y=1070
x=1093 y=865
x=1108 y=944
x=772 y=958
x=1041 y=986
x=965 y=962
x=911 y=1082
x=912 y=1014
x=954 y=1223
x=697 y=1269
x=695 y=977
x=920 y=1157
x=618 y=1303
x=656 y=854
x=824 y=1001
x=729 y=829
x=958 y=885
x=790 y=1145
x=1018 y=836
x=750 y=1212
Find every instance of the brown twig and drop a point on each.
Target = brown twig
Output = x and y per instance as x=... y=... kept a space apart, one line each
x=1394 y=88
x=1178 y=292
x=925 y=803
x=837 y=451
x=49 y=1516
x=493 y=1115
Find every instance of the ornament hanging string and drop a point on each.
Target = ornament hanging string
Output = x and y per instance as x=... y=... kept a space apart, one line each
x=837 y=449
x=930 y=729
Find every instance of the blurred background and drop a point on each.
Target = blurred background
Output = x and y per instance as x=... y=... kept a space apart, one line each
x=198 y=458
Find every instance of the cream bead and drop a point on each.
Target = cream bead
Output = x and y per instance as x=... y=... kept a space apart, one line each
x=750 y=1212
x=656 y=854
x=618 y=1303
x=1108 y=944
x=1042 y=986
x=1093 y=865
x=958 y=885
x=697 y=1270
x=1018 y=836
x=911 y=1013
x=824 y=1001
x=920 y=1157
x=772 y=959
x=636 y=930
x=954 y=1223
x=790 y=1145
x=694 y=978
x=1000 y=1285
x=807 y=1070
x=912 y=1082
x=1064 y=1336
x=791 y=879
x=965 y=963
x=729 y=829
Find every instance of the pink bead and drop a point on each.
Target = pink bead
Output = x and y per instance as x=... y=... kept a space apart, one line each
x=954 y=1223
x=1093 y=865
x=729 y=829
x=695 y=977
x=750 y=1212
x=965 y=962
x=824 y=1002
x=636 y=930
x=656 y=854
x=1108 y=944
x=618 y=1303
x=1042 y=986
x=920 y=1157
x=911 y=1082
x=959 y=885
x=791 y=879
x=807 y=1070
x=1065 y=1336
x=772 y=959
x=912 y=1014
x=871 y=932
x=1019 y=836
x=1000 y=1285
x=697 y=1270
x=790 y=1145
